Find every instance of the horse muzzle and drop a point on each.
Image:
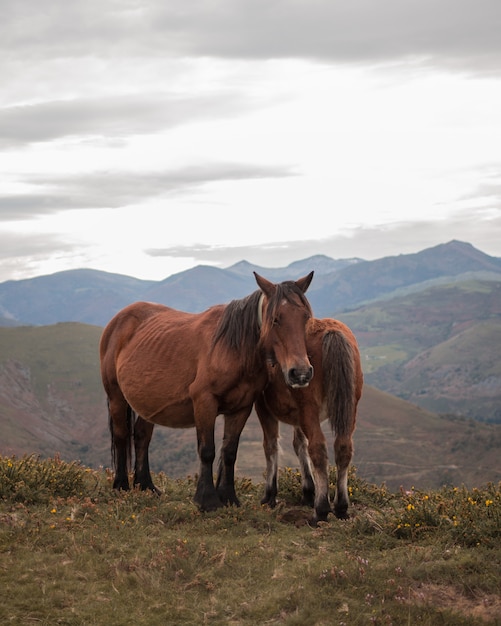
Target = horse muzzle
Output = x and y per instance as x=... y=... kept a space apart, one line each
x=299 y=377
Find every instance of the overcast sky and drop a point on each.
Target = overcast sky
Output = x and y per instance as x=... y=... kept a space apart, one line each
x=145 y=137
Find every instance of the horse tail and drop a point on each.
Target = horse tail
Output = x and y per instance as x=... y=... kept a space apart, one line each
x=130 y=422
x=339 y=379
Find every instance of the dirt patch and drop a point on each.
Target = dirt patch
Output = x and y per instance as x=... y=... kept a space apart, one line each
x=485 y=607
x=296 y=517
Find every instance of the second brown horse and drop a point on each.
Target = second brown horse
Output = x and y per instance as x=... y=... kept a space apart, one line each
x=333 y=394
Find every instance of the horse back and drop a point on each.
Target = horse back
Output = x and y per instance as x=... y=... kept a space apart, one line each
x=129 y=328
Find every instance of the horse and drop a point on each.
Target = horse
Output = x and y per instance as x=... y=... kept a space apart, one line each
x=333 y=394
x=164 y=366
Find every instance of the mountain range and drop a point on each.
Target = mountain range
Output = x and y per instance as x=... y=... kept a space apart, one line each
x=93 y=297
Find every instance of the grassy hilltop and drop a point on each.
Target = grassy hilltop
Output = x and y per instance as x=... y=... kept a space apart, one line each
x=74 y=552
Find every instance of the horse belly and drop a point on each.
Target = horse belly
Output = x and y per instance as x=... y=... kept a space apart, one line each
x=178 y=415
x=161 y=408
x=157 y=394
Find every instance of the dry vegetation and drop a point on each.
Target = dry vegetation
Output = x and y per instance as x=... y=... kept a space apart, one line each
x=75 y=552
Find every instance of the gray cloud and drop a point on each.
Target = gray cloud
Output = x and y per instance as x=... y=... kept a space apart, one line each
x=21 y=254
x=119 y=116
x=489 y=189
x=464 y=33
x=114 y=189
x=24 y=246
x=366 y=243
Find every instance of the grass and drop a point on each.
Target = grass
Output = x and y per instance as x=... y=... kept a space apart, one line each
x=74 y=552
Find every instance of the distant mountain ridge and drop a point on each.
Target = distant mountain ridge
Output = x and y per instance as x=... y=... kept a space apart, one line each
x=319 y=263
x=93 y=297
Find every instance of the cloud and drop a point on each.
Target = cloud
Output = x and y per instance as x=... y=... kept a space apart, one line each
x=95 y=190
x=22 y=254
x=462 y=33
x=365 y=242
x=120 y=116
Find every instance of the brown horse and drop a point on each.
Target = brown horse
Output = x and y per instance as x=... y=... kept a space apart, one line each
x=333 y=393
x=163 y=366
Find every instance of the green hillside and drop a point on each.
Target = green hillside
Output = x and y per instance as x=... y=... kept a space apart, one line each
x=438 y=348
x=51 y=397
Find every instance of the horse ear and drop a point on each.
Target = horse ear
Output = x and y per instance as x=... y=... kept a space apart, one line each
x=304 y=283
x=267 y=287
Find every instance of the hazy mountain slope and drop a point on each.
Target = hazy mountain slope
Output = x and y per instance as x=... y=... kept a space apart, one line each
x=198 y=288
x=319 y=263
x=51 y=397
x=88 y=296
x=438 y=348
x=460 y=375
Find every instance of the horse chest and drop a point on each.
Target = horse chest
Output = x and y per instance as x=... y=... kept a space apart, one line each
x=238 y=396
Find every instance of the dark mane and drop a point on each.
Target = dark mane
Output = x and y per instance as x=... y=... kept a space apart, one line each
x=238 y=328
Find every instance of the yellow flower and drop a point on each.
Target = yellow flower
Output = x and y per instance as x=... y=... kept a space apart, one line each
x=410 y=507
x=488 y=502
x=53 y=511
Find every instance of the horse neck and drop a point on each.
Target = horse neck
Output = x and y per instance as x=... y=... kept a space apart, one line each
x=238 y=332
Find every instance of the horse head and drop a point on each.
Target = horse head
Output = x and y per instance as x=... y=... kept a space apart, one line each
x=285 y=312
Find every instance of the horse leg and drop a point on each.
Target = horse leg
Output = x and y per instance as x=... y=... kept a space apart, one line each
x=143 y=432
x=206 y=495
x=301 y=449
x=225 y=483
x=120 y=420
x=270 y=427
x=317 y=450
x=343 y=453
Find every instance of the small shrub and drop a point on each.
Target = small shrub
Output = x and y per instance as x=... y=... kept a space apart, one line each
x=469 y=517
x=34 y=481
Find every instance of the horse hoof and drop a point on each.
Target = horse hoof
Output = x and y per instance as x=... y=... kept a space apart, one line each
x=208 y=504
x=308 y=498
x=233 y=501
x=121 y=485
x=342 y=514
x=271 y=502
x=228 y=499
x=148 y=487
x=319 y=517
x=213 y=506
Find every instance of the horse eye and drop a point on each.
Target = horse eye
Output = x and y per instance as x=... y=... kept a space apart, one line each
x=276 y=321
